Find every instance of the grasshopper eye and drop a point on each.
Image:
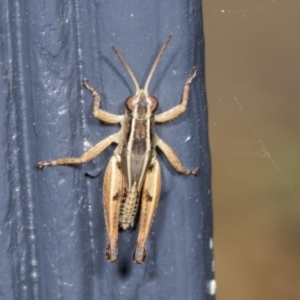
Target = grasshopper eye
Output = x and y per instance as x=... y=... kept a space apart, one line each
x=153 y=103
x=129 y=103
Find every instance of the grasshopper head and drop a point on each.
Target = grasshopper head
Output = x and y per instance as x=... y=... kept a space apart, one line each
x=142 y=105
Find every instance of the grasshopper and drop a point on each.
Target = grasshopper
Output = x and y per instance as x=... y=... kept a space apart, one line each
x=133 y=176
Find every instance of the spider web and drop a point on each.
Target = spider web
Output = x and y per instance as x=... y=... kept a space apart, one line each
x=263 y=152
x=235 y=15
x=252 y=70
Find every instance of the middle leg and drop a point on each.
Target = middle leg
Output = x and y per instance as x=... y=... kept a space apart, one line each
x=173 y=158
x=85 y=157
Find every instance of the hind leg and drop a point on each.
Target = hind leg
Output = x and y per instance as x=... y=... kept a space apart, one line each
x=113 y=190
x=149 y=202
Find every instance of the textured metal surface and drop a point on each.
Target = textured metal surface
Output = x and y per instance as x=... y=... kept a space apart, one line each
x=52 y=226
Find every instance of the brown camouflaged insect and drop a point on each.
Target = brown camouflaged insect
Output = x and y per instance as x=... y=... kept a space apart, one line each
x=133 y=175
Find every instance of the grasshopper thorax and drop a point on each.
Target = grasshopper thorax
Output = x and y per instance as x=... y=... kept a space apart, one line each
x=141 y=105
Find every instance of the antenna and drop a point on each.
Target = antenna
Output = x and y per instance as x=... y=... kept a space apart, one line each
x=161 y=52
x=137 y=87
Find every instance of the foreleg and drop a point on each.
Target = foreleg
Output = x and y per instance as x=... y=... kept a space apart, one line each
x=179 y=109
x=99 y=113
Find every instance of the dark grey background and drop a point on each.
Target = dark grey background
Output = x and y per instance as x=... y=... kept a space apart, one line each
x=52 y=227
